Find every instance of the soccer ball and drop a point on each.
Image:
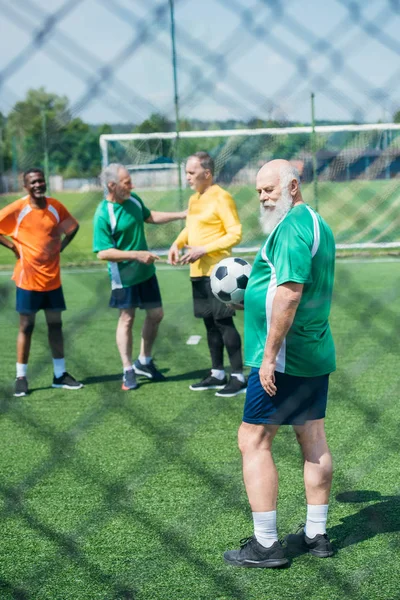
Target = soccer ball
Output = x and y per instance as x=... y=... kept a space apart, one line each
x=229 y=280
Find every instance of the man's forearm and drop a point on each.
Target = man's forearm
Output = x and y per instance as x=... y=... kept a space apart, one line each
x=115 y=255
x=158 y=217
x=68 y=239
x=7 y=243
x=284 y=308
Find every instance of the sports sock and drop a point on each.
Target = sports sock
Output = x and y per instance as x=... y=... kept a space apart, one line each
x=239 y=376
x=126 y=369
x=265 y=527
x=59 y=366
x=317 y=515
x=144 y=360
x=21 y=370
x=218 y=373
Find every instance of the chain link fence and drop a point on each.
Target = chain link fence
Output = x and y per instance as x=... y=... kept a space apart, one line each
x=79 y=69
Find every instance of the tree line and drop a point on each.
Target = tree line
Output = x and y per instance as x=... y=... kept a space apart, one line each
x=43 y=128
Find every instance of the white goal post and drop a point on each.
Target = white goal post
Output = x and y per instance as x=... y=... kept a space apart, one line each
x=357 y=177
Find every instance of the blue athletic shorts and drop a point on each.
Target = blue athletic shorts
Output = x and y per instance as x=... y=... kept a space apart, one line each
x=298 y=399
x=142 y=295
x=29 y=302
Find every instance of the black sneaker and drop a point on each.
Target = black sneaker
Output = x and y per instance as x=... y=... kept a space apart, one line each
x=233 y=388
x=320 y=545
x=21 y=386
x=209 y=383
x=129 y=380
x=150 y=371
x=253 y=554
x=67 y=382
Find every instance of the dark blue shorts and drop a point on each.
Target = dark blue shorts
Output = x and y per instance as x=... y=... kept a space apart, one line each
x=142 y=295
x=298 y=399
x=29 y=302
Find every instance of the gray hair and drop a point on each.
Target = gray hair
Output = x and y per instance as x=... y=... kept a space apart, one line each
x=110 y=173
x=287 y=174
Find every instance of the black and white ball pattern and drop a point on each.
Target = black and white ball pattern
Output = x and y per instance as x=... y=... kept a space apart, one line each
x=229 y=280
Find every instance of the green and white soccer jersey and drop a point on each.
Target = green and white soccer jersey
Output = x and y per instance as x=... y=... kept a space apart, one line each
x=121 y=226
x=300 y=249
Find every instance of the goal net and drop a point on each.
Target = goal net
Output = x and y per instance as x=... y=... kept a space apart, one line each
x=350 y=174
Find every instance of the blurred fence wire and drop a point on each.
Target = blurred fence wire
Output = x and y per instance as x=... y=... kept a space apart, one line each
x=71 y=71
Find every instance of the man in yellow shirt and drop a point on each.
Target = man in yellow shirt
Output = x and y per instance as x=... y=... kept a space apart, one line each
x=212 y=228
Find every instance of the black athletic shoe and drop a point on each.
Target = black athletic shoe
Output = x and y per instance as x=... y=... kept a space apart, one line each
x=319 y=546
x=209 y=383
x=129 y=381
x=150 y=371
x=67 y=382
x=233 y=388
x=21 y=386
x=252 y=554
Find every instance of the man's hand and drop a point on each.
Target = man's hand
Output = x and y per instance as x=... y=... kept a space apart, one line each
x=236 y=306
x=267 y=376
x=173 y=255
x=146 y=257
x=193 y=253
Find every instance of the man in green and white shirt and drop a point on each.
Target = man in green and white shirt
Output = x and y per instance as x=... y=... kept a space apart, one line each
x=119 y=238
x=289 y=345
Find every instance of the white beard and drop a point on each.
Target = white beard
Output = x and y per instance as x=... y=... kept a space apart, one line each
x=269 y=219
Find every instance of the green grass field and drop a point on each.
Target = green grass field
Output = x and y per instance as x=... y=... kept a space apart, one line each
x=358 y=211
x=108 y=495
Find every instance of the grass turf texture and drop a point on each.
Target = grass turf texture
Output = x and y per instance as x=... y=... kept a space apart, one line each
x=107 y=494
x=358 y=211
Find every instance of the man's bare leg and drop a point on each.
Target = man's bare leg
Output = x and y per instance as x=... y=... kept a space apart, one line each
x=124 y=336
x=317 y=476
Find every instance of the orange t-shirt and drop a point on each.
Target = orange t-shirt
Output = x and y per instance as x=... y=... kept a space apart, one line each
x=37 y=234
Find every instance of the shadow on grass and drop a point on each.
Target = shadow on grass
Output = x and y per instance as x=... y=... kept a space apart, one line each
x=381 y=517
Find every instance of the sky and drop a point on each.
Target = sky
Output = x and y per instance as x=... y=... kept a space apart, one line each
x=237 y=59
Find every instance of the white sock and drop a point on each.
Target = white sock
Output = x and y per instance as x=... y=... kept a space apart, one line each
x=265 y=527
x=21 y=370
x=218 y=373
x=59 y=366
x=317 y=515
x=126 y=369
x=144 y=360
x=239 y=376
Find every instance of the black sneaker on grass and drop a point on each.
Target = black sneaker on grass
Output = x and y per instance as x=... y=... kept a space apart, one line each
x=150 y=371
x=67 y=382
x=252 y=554
x=320 y=545
x=21 y=386
x=129 y=380
x=233 y=388
x=209 y=383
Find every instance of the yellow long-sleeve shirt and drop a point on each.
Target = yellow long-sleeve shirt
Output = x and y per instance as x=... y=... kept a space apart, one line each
x=213 y=222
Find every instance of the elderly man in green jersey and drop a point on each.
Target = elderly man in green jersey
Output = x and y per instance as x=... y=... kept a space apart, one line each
x=289 y=347
x=119 y=238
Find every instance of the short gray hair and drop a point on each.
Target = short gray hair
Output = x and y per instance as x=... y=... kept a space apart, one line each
x=287 y=174
x=110 y=173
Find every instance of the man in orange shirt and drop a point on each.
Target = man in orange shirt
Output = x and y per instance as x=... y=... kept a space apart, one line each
x=212 y=228
x=40 y=228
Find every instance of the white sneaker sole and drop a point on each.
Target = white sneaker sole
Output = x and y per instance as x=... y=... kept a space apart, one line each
x=231 y=395
x=139 y=372
x=19 y=395
x=67 y=387
x=203 y=389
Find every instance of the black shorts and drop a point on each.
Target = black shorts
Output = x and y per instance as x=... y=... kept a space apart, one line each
x=142 y=295
x=30 y=302
x=205 y=304
x=298 y=399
